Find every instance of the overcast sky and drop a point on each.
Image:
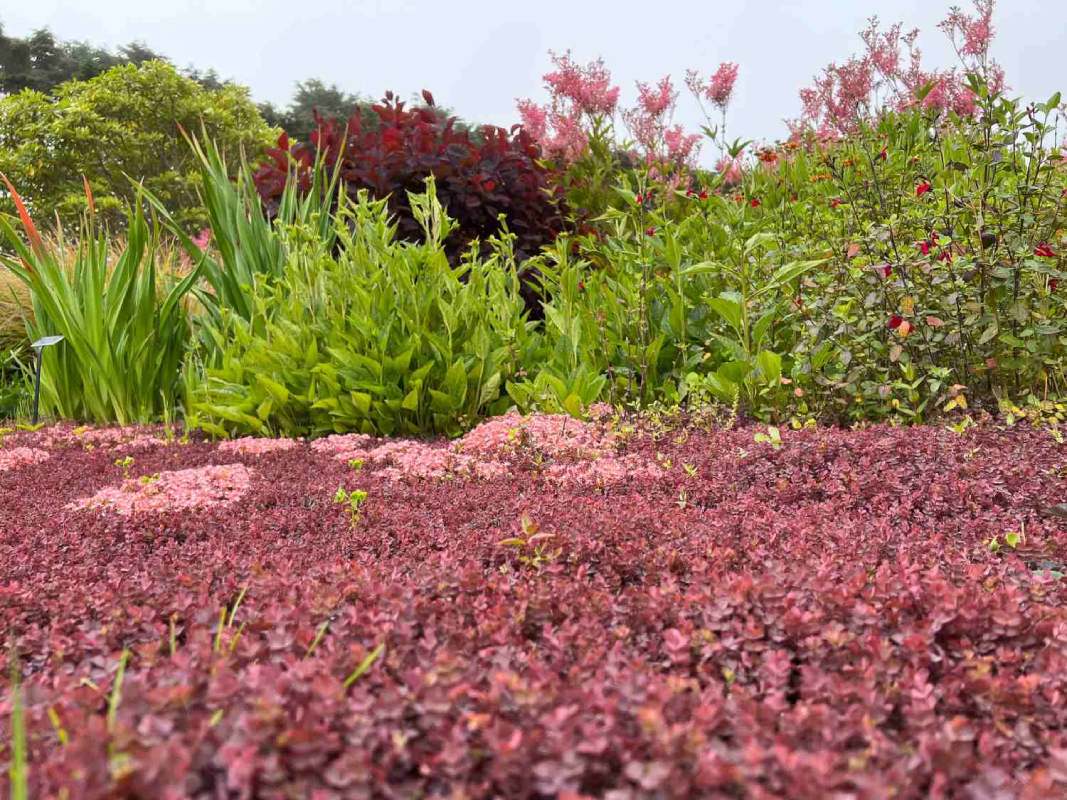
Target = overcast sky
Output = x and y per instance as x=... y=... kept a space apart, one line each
x=477 y=56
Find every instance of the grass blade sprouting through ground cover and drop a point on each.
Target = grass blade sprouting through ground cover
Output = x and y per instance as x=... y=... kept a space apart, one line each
x=124 y=333
x=19 y=770
x=364 y=665
x=115 y=697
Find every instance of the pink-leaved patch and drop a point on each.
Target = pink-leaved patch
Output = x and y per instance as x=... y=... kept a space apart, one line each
x=178 y=490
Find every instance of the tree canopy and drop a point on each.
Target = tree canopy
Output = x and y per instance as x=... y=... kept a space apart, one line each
x=124 y=124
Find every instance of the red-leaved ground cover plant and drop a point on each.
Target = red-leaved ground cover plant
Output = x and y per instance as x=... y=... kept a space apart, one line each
x=544 y=608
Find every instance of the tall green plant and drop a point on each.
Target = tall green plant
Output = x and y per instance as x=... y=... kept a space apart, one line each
x=244 y=249
x=124 y=331
x=372 y=335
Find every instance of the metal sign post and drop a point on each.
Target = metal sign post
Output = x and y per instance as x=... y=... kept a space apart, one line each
x=38 y=349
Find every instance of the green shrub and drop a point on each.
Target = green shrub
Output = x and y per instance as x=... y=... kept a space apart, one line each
x=374 y=335
x=123 y=124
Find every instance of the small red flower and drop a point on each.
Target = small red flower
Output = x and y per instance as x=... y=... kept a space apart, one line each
x=946 y=256
x=1052 y=284
x=754 y=202
x=924 y=248
x=895 y=322
x=640 y=200
x=922 y=188
x=1044 y=250
x=835 y=202
x=581 y=286
x=883 y=155
x=650 y=231
x=885 y=270
x=489 y=185
x=703 y=194
x=689 y=193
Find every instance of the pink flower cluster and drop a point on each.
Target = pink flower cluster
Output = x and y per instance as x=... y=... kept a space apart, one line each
x=731 y=168
x=650 y=125
x=971 y=35
x=17 y=457
x=579 y=93
x=251 y=446
x=719 y=88
x=889 y=75
x=179 y=490
x=607 y=470
x=588 y=88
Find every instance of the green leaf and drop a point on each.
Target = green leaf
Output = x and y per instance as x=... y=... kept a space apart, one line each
x=362 y=401
x=770 y=365
x=411 y=401
x=728 y=310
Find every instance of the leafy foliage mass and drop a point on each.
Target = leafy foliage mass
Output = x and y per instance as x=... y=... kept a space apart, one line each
x=673 y=635
x=40 y=62
x=124 y=326
x=310 y=98
x=481 y=175
x=382 y=336
x=120 y=127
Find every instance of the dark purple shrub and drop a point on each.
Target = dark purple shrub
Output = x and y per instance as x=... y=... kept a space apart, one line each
x=391 y=149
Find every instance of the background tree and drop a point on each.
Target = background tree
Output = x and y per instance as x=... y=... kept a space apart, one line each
x=119 y=125
x=41 y=62
x=298 y=118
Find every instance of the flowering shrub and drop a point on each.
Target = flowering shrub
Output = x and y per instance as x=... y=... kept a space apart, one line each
x=900 y=260
x=889 y=75
x=821 y=617
x=480 y=174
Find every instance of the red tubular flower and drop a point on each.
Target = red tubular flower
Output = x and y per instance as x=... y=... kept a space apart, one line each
x=755 y=202
x=924 y=248
x=922 y=188
x=883 y=155
x=650 y=231
x=1052 y=284
x=1044 y=250
x=640 y=200
x=703 y=194
x=895 y=322
x=946 y=256
x=885 y=270
x=835 y=202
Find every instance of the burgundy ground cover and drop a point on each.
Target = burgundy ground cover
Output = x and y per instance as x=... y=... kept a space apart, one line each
x=711 y=616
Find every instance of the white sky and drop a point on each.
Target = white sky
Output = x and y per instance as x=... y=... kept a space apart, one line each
x=477 y=56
